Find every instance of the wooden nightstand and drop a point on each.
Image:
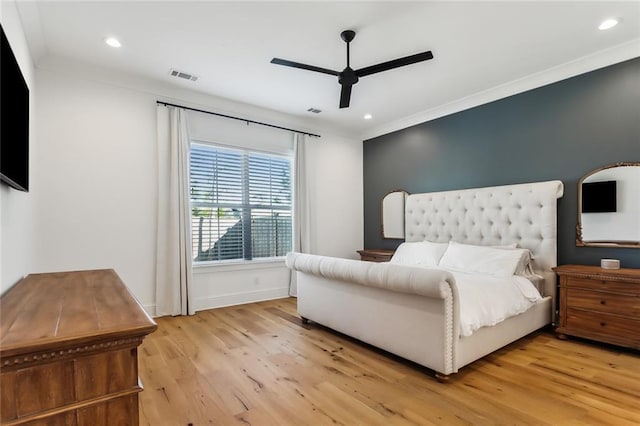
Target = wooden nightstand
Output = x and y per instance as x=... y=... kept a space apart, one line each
x=376 y=255
x=600 y=304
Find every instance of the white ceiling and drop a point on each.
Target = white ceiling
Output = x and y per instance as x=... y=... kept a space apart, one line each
x=478 y=46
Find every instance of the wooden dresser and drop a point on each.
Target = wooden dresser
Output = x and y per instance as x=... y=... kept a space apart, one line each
x=376 y=255
x=600 y=304
x=68 y=350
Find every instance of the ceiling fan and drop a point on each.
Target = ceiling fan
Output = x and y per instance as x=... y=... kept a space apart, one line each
x=348 y=76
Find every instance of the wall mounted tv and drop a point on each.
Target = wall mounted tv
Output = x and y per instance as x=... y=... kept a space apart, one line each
x=14 y=120
x=599 y=197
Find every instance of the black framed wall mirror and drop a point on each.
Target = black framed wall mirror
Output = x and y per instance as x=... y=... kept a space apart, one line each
x=609 y=207
x=392 y=214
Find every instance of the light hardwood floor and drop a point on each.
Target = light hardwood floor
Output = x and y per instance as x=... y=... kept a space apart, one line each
x=257 y=364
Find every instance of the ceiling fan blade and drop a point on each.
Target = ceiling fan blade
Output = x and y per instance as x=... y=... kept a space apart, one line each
x=345 y=95
x=396 y=63
x=287 y=63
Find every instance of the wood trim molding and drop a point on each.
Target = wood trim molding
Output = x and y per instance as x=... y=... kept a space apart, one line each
x=44 y=356
x=622 y=278
x=44 y=415
x=595 y=272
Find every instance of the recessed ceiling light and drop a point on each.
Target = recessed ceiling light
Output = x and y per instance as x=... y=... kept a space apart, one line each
x=368 y=116
x=112 y=41
x=608 y=23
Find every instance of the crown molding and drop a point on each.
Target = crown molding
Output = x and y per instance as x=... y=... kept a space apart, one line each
x=601 y=59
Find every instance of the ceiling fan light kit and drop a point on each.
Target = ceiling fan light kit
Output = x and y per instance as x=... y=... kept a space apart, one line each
x=348 y=76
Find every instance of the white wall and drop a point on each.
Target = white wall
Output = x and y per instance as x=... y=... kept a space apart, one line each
x=97 y=181
x=97 y=163
x=17 y=209
x=336 y=196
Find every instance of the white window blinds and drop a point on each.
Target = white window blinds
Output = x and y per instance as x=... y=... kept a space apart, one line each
x=240 y=203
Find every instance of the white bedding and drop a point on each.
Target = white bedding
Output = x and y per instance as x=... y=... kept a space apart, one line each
x=486 y=300
x=489 y=278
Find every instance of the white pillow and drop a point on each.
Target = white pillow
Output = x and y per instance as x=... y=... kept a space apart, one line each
x=484 y=259
x=524 y=265
x=421 y=253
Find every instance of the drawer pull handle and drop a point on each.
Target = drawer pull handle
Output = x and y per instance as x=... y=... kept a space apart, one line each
x=603 y=324
x=602 y=302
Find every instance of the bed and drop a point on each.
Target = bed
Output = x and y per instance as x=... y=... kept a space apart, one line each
x=414 y=310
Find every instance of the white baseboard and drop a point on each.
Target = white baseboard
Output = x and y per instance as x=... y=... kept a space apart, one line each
x=212 y=302
x=151 y=310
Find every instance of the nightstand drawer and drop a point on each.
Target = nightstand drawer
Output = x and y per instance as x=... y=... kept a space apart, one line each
x=602 y=284
x=604 y=302
x=599 y=304
x=602 y=324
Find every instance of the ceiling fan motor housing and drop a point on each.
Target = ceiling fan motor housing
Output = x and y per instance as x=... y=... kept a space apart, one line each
x=348 y=35
x=348 y=76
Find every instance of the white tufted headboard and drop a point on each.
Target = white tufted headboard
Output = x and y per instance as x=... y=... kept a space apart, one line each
x=525 y=214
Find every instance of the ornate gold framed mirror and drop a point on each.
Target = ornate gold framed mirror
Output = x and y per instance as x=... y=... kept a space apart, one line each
x=609 y=207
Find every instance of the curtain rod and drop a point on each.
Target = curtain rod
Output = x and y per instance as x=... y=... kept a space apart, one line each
x=236 y=118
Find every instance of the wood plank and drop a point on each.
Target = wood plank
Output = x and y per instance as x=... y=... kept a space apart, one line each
x=69 y=308
x=8 y=409
x=258 y=364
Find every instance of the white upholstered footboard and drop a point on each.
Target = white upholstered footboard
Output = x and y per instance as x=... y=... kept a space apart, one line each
x=420 y=328
x=408 y=311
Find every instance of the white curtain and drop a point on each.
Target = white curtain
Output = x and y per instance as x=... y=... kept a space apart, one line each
x=301 y=206
x=173 y=257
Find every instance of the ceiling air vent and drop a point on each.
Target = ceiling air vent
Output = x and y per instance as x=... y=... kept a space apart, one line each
x=315 y=110
x=186 y=76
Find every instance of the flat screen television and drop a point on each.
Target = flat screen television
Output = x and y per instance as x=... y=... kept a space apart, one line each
x=599 y=197
x=14 y=120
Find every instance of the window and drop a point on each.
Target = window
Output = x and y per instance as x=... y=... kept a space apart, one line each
x=240 y=204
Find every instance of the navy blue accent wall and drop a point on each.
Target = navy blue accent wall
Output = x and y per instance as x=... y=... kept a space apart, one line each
x=559 y=131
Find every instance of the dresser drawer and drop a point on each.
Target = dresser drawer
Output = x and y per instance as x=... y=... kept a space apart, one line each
x=601 y=284
x=602 y=324
x=600 y=301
